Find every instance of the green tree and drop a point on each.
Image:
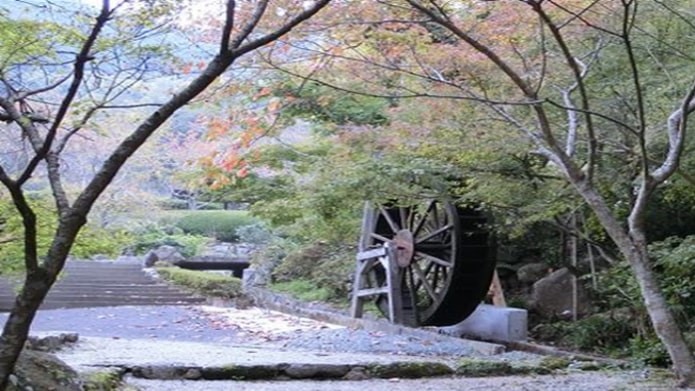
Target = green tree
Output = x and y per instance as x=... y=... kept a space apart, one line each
x=78 y=74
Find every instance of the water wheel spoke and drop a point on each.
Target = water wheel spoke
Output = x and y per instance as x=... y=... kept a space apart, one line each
x=434 y=233
x=423 y=282
x=416 y=229
x=412 y=292
x=379 y=237
x=435 y=277
x=389 y=219
x=433 y=259
x=403 y=214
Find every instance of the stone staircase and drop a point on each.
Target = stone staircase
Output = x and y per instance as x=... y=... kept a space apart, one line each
x=101 y=284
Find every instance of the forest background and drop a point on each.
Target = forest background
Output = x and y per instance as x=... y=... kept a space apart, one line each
x=397 y=100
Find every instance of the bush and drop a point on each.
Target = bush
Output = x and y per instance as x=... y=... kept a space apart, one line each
x=256 y=233
x=303 y=290
x=630 y=332
x=153 y=236
x=600 y=333
x=220 y=224
x=90 y=241
x=326 y=267
x=204 y=283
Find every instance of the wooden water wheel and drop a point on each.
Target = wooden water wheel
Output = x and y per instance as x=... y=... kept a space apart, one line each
x=444 y=258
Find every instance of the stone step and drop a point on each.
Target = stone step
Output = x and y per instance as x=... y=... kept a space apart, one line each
x=78 y=282
x=107 y=292
x=103 y=283
x=110 y=298
x=125 y=288
x=54 y=304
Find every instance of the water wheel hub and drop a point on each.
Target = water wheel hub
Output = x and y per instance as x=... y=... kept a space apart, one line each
x=405 y=248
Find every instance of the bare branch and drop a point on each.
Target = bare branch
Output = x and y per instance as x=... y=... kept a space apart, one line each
x=82 y=58
x=677 y=128
x=228 y=26
x=579 y=71
x=286 y=28
x=251 y=24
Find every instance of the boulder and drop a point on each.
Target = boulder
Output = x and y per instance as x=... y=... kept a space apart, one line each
x=37 y=370
x=164 y=253
x=551 y=296
x=532 y=272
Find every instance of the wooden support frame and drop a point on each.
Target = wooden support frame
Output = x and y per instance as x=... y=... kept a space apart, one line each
x=366 y=260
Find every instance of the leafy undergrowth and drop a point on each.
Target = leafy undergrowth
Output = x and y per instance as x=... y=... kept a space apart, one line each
x=303 y=290
x=202 y=282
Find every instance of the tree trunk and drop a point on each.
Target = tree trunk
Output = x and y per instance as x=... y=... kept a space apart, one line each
x=661 y=317
x=633 y=247
x=16 y=330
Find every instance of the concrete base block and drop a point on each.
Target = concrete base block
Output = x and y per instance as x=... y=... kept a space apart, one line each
x=492 y=323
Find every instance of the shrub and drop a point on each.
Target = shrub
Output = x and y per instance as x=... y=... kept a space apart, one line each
x=630 y=332
x=204 y=283
x=256 y=233
x=303 y=290
x=326 y=267
x=220 y=224
x=91 y=240
x=153 y=236
x=601 y=333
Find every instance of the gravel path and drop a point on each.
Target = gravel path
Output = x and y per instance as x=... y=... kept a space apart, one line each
x=255 y=326
x=182 y=323
x=252 y=326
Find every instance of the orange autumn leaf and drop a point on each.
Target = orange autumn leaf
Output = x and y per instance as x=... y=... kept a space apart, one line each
x=243 y=172
x=274 y=105
x=265 y=91
x=230 y=163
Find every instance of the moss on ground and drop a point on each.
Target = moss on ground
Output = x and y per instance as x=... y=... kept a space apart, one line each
x=553 y=363
x=483 y=368
x=103 y=380
x=234 y=372
x=410 y=370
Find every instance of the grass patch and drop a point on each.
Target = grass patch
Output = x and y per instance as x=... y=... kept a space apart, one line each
x=201 y=282
x=302 y=290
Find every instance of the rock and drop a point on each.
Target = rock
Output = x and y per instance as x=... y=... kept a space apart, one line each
x=356 y=373
x=409 y=370
x=150 y=259
x=43 y=371
x=163 y=253
x=482 y=368
x=193 y=374
x=532 y=272
x=316 y=371
x=51 y=343
x=552 y=295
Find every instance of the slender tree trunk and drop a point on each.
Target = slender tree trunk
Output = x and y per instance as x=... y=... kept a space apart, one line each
x=16 y=330
x=661 y=317
x=633 y=247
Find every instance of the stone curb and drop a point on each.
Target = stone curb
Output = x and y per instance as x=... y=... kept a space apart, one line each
x=360 y=371
x=409 y=370
x=282 y=303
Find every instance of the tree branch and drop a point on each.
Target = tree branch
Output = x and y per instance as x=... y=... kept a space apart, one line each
x=291 y=24
x=228 y=26
x=82 y=58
